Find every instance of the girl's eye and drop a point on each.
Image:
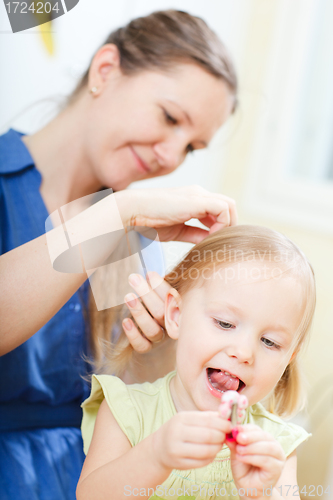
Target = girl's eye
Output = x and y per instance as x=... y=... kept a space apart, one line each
x=224 y=324
x=170 y=119
x=269 y=343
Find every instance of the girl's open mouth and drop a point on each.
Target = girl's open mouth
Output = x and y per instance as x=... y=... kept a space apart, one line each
x=219 y=381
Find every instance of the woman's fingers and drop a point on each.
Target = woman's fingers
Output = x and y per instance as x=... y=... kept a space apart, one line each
x=150 y=328
x=232 y=210
x=182 y=232
x=149 y=314
x=153 y=302
x=208 y=221
x=171 y=208
x=158 y=284
x=220 y=206
x=138 y=342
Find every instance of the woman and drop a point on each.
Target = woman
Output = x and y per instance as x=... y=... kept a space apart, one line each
x=157 y=89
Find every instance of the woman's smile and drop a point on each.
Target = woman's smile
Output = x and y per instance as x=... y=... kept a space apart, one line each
x=141 y=164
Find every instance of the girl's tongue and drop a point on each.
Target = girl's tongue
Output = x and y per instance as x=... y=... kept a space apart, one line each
x=222 y=382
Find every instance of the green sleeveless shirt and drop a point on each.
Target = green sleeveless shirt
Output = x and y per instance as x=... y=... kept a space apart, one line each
x=140 y=409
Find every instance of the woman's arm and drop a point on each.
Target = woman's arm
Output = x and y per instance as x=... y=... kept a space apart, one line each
x=31 y=291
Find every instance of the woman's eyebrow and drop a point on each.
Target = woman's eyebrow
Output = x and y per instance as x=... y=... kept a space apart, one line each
x=189 y=119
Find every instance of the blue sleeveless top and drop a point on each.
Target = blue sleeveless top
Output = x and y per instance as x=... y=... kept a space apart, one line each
x=41 y=449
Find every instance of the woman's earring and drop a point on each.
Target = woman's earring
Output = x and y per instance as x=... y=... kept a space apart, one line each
x=93 y=90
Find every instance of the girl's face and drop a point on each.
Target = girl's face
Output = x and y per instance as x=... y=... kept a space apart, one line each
x=143 y=126
x=241 y=321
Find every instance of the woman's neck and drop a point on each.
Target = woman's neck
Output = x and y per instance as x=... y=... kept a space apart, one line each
x=59 y=155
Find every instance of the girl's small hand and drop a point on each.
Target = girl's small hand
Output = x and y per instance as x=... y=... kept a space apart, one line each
x=257 y=459
x=190 y=439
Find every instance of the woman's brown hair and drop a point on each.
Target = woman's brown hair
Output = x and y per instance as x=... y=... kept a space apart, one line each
x=162 y=39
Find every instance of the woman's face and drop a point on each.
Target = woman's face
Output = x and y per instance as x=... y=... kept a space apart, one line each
x=143 y=126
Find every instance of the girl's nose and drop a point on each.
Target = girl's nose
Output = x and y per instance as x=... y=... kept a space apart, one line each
x=242 y=350
x=170 y=154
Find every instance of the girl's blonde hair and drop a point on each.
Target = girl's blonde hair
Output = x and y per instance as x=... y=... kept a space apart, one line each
x=233 y=245
x=259 y=244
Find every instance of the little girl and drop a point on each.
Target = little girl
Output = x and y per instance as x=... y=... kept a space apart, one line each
x=240 y=309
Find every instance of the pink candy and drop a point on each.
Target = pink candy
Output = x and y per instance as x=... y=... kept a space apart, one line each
x=228 y=399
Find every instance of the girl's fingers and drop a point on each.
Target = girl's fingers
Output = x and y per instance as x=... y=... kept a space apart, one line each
x=202 y=435
x=199 y=451
x=268 y=448
x=248 y=435
x=138 y=342
x=262 y=461
x=191 y=463
x=248 y=428
x=204 y=419
x=150 y=328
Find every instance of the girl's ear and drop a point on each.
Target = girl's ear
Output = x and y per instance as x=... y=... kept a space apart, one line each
x=172 y=313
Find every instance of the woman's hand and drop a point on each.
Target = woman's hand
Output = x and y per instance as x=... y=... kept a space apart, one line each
x=154 y=349
x=150 y=323
x=167 y=210
x=257 y=459
x=190 y=439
